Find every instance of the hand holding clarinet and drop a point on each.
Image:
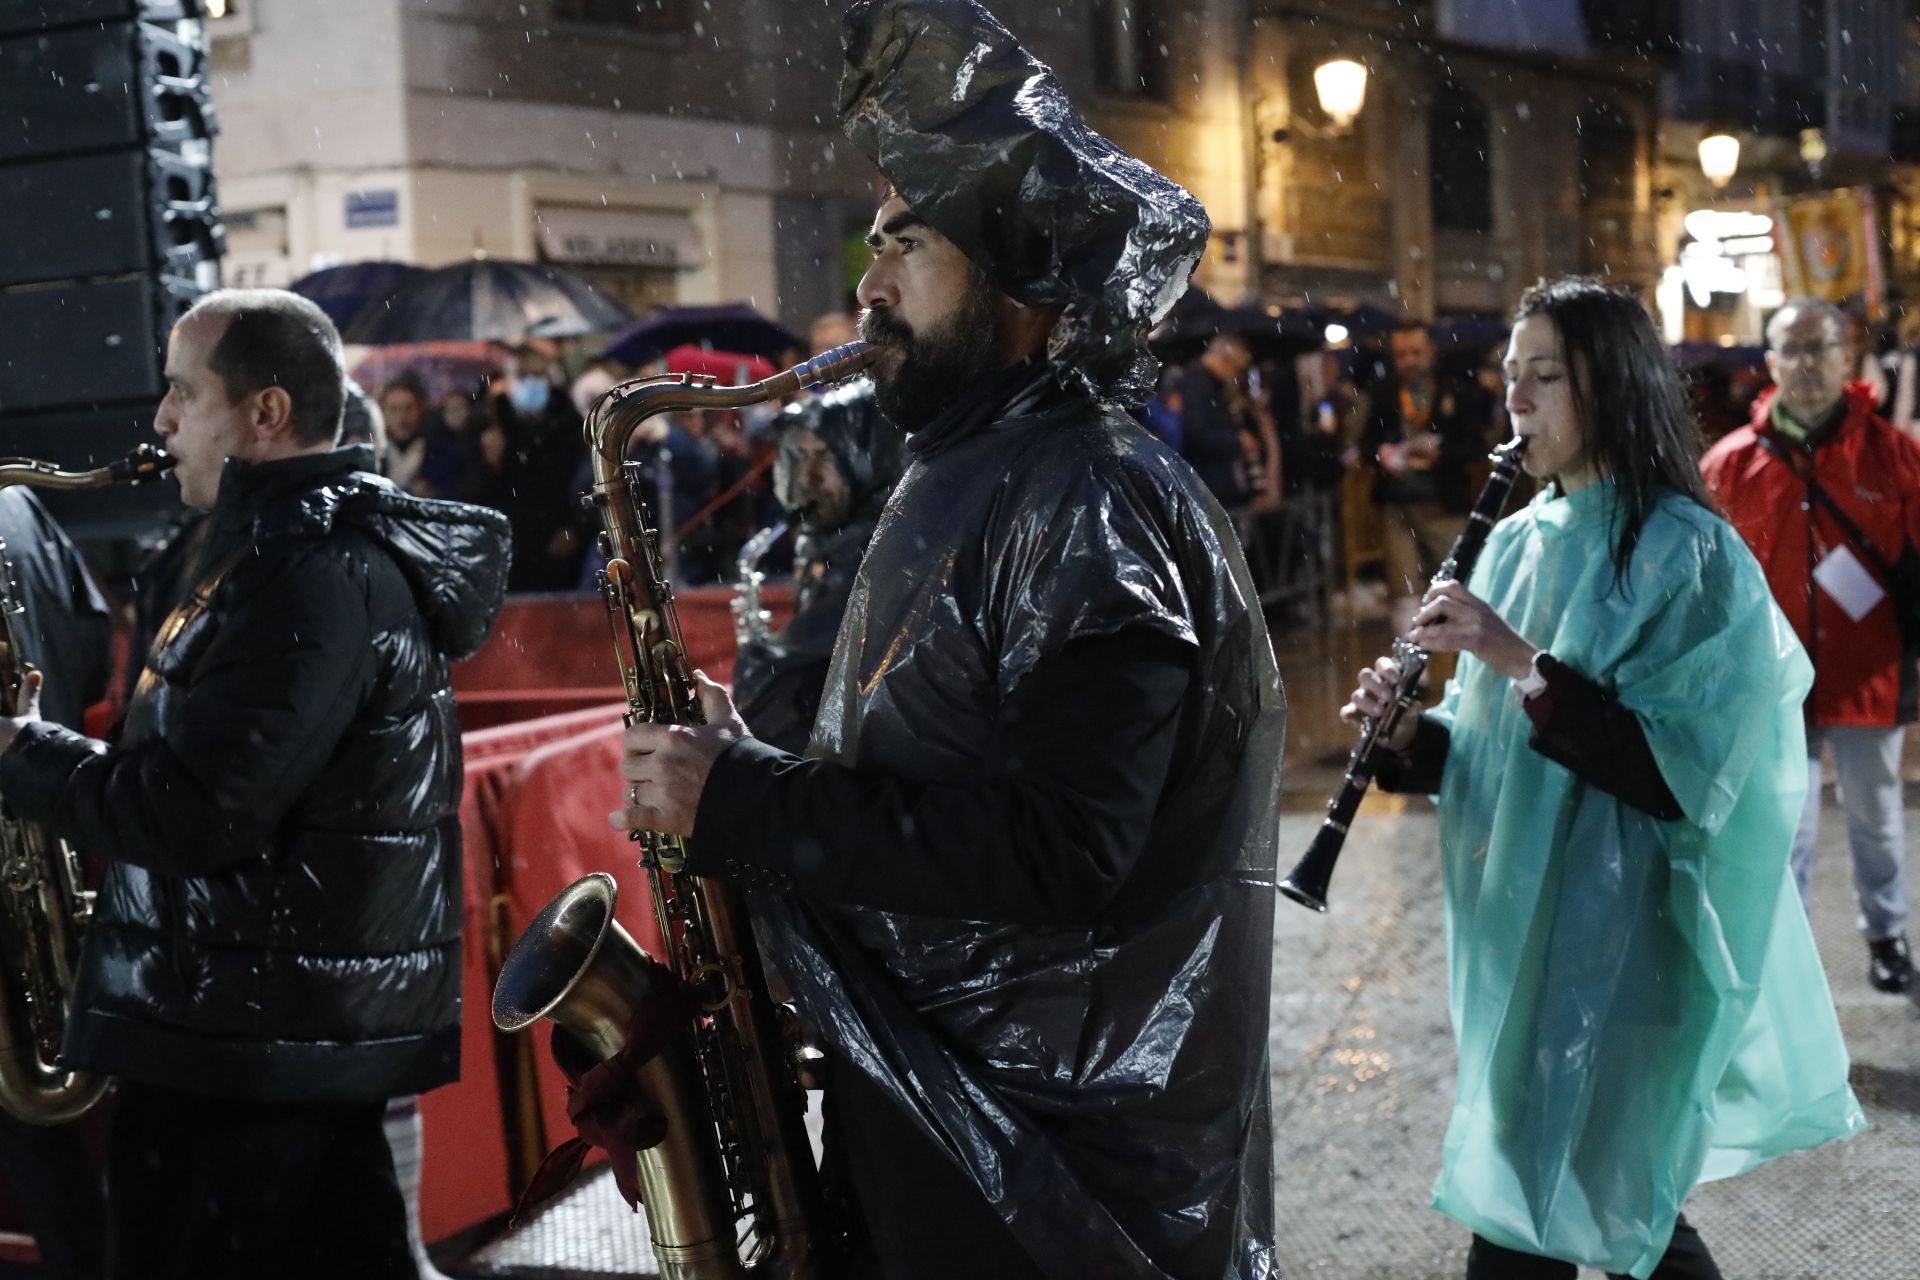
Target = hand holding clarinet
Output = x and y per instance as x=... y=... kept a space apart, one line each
x=1450 y=619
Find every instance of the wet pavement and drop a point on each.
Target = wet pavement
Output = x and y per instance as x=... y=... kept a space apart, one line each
x=1363 y=1064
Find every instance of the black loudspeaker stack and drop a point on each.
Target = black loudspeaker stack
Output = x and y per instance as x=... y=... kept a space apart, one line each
x=109 y=229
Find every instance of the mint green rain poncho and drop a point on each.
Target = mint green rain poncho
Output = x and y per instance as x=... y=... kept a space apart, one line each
x=1638 y=1004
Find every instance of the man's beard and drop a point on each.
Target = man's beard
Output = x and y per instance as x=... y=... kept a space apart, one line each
x=942 y=363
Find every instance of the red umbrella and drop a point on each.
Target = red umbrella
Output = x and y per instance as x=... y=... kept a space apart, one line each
x=729 y=368
x=442 y=367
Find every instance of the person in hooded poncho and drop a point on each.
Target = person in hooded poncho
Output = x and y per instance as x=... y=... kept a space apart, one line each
x=838 y=460
x=1619 y=764
x=1021 y=884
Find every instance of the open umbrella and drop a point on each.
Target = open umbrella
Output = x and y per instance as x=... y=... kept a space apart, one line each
x=441 y=367
x=730 y=368
x=1474 y=329
x=1360 y=321
x=1268 y=337
x=734 y=326
x=487 y=299
x=344 y=292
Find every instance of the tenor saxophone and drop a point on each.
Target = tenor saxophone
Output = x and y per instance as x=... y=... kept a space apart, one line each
x=732 y=1190
x=44 y=904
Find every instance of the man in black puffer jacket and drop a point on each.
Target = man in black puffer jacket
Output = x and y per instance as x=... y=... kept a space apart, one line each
x=276 y=945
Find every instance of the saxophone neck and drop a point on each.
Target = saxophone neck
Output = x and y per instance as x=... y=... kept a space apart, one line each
x=143 y=464
x=756 y=550
x=619 y=413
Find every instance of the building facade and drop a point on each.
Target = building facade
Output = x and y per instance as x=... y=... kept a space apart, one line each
x=687 y=151
x=670 y=150
x=1489 y=153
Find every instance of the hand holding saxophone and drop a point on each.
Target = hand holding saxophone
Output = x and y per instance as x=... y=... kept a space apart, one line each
x=666 y=765
x=28 y=709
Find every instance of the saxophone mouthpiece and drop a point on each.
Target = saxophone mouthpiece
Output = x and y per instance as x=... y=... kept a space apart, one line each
x=837 y=365
x=143 y=464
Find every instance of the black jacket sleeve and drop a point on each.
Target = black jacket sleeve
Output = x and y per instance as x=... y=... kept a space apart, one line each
x=266 y=704
x=1417 y=769
x=1046 y=834
x=1578 y=724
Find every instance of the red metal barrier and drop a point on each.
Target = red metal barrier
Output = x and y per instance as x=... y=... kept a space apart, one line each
x=551 y=643
x=475 y=1159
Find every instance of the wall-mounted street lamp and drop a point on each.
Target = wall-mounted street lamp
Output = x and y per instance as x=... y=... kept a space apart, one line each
x=1813 y=150
x=1719 y=158
x=1341 y=86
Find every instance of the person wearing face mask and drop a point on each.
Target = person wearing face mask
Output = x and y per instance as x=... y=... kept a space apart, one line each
x=1619 y=765
x=545 y=433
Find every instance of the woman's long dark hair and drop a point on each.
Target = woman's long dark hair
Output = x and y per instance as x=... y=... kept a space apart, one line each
x=1636 y=422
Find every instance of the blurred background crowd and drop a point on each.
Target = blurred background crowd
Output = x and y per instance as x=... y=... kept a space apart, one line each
x=1346 y=444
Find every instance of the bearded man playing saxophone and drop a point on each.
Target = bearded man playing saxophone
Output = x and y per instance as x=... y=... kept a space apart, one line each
x=1022 y=883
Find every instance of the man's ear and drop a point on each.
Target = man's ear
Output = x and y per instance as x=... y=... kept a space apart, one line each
x=272 y=415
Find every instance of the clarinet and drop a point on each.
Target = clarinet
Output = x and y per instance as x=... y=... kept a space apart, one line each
x=1307 y=883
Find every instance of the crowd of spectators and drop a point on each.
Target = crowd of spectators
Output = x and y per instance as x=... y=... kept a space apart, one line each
x=1413 y=410
x=1403 y=420
x=512 y=439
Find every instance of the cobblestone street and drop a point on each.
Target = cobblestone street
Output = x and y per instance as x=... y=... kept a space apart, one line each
x=1363 y=1057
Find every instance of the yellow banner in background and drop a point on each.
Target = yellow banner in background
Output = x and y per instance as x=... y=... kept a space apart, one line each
x=1830 y=249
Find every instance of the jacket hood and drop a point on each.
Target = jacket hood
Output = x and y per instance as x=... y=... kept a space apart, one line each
x=454 y=555
x=866 y=447
x=978 y=137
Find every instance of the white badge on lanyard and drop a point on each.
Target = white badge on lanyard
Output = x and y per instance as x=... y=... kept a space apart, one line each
x=1841 y=575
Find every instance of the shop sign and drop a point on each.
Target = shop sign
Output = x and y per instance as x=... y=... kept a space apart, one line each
x=619 y=237
x=373 y=208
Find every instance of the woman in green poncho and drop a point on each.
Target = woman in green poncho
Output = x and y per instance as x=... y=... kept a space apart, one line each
x=1619 y=764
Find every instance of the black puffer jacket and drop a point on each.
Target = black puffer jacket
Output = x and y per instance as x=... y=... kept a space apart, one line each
x=282 y=907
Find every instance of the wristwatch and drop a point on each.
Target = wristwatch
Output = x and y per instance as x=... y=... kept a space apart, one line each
x=1536 y=678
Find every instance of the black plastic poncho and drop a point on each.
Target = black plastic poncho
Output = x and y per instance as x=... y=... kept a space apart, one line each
x=979 y=139
x=1102 y=1080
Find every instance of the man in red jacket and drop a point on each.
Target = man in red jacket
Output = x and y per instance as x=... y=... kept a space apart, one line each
x=1815 y=425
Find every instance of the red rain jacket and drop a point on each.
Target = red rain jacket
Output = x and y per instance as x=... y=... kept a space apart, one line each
x=1872 y=471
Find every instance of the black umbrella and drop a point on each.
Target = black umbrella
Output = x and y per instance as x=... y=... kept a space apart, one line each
x=1268 y=337
x=1360 y=321
x=1473 y=330
x=734 y=326
x=489 y=300
x=344 y=292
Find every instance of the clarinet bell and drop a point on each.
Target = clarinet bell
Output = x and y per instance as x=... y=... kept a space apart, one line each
x=1307 y=883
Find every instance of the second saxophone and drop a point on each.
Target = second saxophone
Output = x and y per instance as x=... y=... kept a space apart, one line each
x=43 y=904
